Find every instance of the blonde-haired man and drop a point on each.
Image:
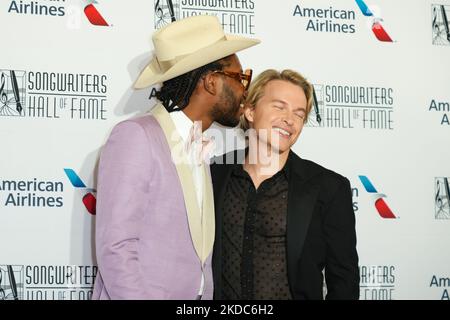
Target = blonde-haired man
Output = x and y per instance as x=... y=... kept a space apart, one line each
x=282 y=222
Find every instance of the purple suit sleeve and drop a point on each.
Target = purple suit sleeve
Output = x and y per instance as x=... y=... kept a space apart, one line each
x=122 y=197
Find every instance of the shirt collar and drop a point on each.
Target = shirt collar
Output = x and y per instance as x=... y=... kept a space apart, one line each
x=286 y=170
x=182 y=123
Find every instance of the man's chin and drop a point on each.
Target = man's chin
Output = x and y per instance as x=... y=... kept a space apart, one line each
x=280 y=149
x=230 y=123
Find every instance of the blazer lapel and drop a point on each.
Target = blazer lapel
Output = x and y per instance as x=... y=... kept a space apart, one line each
x=208 y=214
x=222 y=170
x=221 y=174
x=181 y=161
x=301 y=200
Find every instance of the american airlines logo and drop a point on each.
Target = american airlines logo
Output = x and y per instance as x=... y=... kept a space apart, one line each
x=94 y=16
x=377 y=28
x=383 y=209
x=88 y=198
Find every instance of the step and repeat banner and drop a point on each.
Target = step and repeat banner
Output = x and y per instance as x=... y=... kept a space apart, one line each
x=381 y=72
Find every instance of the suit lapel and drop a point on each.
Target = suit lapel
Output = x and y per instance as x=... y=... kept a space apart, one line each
x=221 y=175
x=209 y=227
x=222 y=170
x=202 y=233
x=301 y=200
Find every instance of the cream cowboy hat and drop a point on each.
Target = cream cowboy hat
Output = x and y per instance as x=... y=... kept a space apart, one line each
x=188 y=44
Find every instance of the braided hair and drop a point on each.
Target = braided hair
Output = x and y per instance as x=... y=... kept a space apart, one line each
x=175 y=93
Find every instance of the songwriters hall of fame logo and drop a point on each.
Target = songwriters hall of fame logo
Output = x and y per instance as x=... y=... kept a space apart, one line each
x=315 y=119
x=53 y=95
x=47 y=282
x=440 y=15
x=352 y=106
x=166 y=11
x=11 y=282
x=237 y=17
x=442 y=197
x=12 y=93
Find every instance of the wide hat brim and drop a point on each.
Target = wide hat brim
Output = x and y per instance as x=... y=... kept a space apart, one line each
x=152 y=74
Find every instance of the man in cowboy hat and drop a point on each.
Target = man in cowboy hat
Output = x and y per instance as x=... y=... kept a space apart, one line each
x=155 y=210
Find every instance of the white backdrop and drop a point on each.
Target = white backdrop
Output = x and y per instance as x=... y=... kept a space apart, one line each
x=73 y=79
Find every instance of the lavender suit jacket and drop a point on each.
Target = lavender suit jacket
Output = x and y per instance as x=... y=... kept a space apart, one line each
x=145 y=243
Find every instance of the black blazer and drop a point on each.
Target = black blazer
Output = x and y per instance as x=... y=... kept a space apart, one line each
x=320 y=229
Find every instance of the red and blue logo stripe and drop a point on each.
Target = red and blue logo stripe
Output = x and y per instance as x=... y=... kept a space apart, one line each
x=377 y=29
x=89 y=199
x=381 y=206
x=93 y=15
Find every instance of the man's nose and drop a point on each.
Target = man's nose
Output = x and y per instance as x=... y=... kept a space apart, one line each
x=289 y=118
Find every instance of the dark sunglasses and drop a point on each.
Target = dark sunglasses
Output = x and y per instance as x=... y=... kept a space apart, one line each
x=244 y=78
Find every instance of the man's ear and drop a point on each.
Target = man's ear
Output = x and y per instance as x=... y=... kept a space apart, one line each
x=211 y=83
